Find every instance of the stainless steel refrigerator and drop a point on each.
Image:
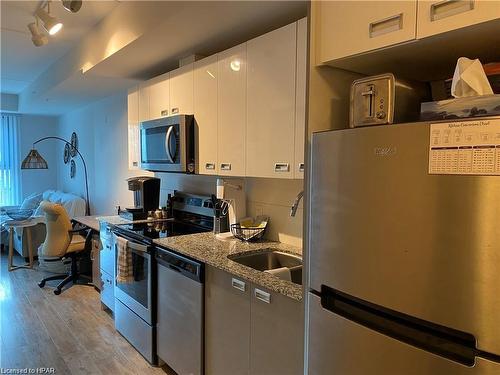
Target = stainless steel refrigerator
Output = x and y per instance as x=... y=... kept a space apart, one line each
x=404 y=244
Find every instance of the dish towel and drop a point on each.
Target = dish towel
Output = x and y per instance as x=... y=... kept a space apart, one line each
x=281 y=273
x=124 y=271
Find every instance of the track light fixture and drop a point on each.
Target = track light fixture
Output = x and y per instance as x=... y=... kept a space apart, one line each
x=37 y=37
x=51 y=24
x=72 y=6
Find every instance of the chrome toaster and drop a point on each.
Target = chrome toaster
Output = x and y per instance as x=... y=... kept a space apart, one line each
x=383 y=99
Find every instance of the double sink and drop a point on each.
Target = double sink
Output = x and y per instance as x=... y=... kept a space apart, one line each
x=271 y=259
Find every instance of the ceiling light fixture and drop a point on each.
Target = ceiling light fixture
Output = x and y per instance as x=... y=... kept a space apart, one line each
x=72 y=6
x=37 y=37
x=51 y=24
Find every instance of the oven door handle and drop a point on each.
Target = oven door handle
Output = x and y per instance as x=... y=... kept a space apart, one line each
x=133 y=244
x=167 y=144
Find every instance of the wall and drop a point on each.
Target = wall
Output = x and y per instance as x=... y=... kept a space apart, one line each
x=9 y=102
x=102 y=134
x=268 y=196
x=33 y=128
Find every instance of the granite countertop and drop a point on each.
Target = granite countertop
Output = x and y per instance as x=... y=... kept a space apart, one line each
x=206 y=248
x=115 y=219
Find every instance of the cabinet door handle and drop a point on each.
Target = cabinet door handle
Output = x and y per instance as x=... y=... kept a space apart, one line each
x=281 y=167
x=225 y=166
x=164 y=112
x=238 y=284
x=175 y=110
x=262 y=296
x=210 y=166
x=387 y=25
x=301 y=167
x=447 y=8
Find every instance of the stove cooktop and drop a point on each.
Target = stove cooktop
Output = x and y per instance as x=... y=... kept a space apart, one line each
x=150 y=230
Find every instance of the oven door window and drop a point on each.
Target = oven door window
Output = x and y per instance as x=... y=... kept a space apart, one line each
x=160 y=144
x=133 y=277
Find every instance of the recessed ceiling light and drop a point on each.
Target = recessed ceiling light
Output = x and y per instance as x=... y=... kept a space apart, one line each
x=37 y=38
x=51 y=24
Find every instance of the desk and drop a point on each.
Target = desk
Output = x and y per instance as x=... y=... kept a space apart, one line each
x=89 y=221
x=27 y=224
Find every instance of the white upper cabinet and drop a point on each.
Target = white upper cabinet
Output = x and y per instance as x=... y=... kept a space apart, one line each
x=436 y=17
x=159 y=96
x=133 y=129
x=143 y=98
x=350 y=27
x=271 y=103
x=181 y=90
x=205 y=114
x=232 y=92
x=300 y=98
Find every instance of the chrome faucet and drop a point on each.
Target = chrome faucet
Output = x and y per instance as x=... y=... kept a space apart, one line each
x=295 y=205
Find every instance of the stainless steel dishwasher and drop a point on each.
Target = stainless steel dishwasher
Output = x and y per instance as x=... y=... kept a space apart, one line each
x=180 y=312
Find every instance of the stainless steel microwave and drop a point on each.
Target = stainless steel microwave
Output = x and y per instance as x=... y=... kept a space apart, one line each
x=167 y=144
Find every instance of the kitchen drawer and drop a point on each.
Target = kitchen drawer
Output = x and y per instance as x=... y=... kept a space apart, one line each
x=107 y=256
x=107 y=290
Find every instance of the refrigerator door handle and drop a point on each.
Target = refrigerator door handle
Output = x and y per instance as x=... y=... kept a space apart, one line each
x=443 y=341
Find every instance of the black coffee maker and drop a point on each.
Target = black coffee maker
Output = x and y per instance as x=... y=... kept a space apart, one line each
x=146 y=197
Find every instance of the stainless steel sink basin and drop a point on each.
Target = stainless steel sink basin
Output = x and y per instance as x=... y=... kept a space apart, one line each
x=271 y=259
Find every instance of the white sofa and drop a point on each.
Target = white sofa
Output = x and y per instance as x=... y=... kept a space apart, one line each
x=74 y=205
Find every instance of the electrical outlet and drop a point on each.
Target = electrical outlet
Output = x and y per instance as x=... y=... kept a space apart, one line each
x=259 y=210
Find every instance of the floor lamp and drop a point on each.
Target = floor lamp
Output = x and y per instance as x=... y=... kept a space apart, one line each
x=35 y=161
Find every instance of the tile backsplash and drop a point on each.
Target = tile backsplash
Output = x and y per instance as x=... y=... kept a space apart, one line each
x=268 y=196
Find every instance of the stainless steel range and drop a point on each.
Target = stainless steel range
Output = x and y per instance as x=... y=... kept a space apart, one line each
x=136 y=282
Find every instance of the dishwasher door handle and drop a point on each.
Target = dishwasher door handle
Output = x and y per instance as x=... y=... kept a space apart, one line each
x=174 y=268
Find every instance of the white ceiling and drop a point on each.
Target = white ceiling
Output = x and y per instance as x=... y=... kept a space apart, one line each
x=21 y=62
x=170 y=30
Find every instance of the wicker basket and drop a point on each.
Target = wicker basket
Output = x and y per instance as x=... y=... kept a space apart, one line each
x=247 y=234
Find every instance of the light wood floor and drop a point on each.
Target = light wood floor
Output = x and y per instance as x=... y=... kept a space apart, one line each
x=68 y=332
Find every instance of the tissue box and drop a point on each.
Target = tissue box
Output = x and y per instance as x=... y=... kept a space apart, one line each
x=473 y=106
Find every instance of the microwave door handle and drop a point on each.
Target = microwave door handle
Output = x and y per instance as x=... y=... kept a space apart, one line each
x=167 y=144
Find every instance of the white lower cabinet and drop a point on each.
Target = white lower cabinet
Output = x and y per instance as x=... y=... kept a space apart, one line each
x=227 y=324
x=250 y=330
x=276 y=334
x=107 y=266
